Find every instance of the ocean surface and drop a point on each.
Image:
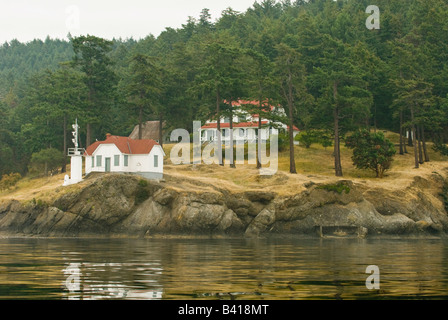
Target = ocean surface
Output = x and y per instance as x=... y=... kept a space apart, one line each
x=237 y=269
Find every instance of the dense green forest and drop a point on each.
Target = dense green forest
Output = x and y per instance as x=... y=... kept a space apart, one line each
x=316 y=58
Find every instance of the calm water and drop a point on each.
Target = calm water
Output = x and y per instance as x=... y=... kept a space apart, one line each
x=221 y=269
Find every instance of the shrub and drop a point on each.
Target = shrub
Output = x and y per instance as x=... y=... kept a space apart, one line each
x=326 y=140
x=306 y=138
x=142 y=183
x=142 y=193
x=46 y=160
x=338 y=187
x=9 y=180
x=371 y=151
x=441 y=148
x=283 y=142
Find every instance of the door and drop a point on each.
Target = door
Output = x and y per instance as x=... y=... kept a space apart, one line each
x=107 y=164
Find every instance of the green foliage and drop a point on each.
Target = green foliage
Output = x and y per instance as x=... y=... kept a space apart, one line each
x=46 y=160
x=143 y=88
x=93 y=60
x=283 y=142
x=338 y=187
x=21 y=60
x=325 y=140
x=306 y=138
x=371 y=151
x=9 y=180
x=310 y=137
x=40 y=203
x=142 y=192
x=142 y=183
x=441 y=148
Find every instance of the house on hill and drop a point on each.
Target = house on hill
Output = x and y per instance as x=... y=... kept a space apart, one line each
x=245 y=125
x=125 y=155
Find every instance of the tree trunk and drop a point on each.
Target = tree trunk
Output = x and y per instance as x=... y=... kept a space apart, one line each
x=88 y=134
x=419 y=143
x=161 y=129
x=292 y=163
x=218 y=128
x=401 y=132
x=259 y=135
x=337 y=150
x=232 y=162
x=404 y=146
x=140 y=123
x=64 y=159
x=410 y=137
x=374 y=119
x=89 y=106
x=414 y=139
x=425 y=151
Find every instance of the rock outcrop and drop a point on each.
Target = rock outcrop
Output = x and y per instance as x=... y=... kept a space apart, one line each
x=128 y=206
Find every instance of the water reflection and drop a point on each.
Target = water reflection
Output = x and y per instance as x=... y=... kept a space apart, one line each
x=221 y=269
x=89 y=281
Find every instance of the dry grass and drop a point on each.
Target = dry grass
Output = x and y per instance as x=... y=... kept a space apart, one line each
x=45 y=189
x=313 y=164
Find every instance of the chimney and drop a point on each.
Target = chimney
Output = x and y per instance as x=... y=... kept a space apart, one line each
x=108 y=135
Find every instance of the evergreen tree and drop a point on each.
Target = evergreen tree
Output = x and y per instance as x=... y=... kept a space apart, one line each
x=343 y=90
x=217 y=79
x=91 y=57
x=144 y=87
x=290 y=71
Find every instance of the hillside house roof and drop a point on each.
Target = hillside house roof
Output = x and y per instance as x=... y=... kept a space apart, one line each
x=235 y=125
x=150 y=130
x=125 y=145
x=225 y=125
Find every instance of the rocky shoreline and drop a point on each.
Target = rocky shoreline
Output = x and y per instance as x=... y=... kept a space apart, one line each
x=129 y=206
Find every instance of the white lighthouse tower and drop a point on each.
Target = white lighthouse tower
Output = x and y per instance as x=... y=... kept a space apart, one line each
x=75 y=154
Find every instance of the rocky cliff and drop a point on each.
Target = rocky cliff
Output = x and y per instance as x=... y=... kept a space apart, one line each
x=129 y=206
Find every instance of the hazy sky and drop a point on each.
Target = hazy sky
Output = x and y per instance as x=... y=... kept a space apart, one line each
x=26 y=20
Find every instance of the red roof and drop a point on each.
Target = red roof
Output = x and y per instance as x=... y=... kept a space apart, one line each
x=294 y=128
x=125 y=145
x=238 y=125
x=235 y=125
x=265 y=106
x=252 y=102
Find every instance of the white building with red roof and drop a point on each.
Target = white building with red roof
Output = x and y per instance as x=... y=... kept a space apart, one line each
x=245 y=124
x=125 y=155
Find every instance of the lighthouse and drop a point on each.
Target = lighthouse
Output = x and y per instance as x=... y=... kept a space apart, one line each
x=76 y=155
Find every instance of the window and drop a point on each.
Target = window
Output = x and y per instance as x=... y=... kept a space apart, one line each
x=126 y=159
x=156 y=161
x=93 y=161
x=98 y=161
x=116 y=160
